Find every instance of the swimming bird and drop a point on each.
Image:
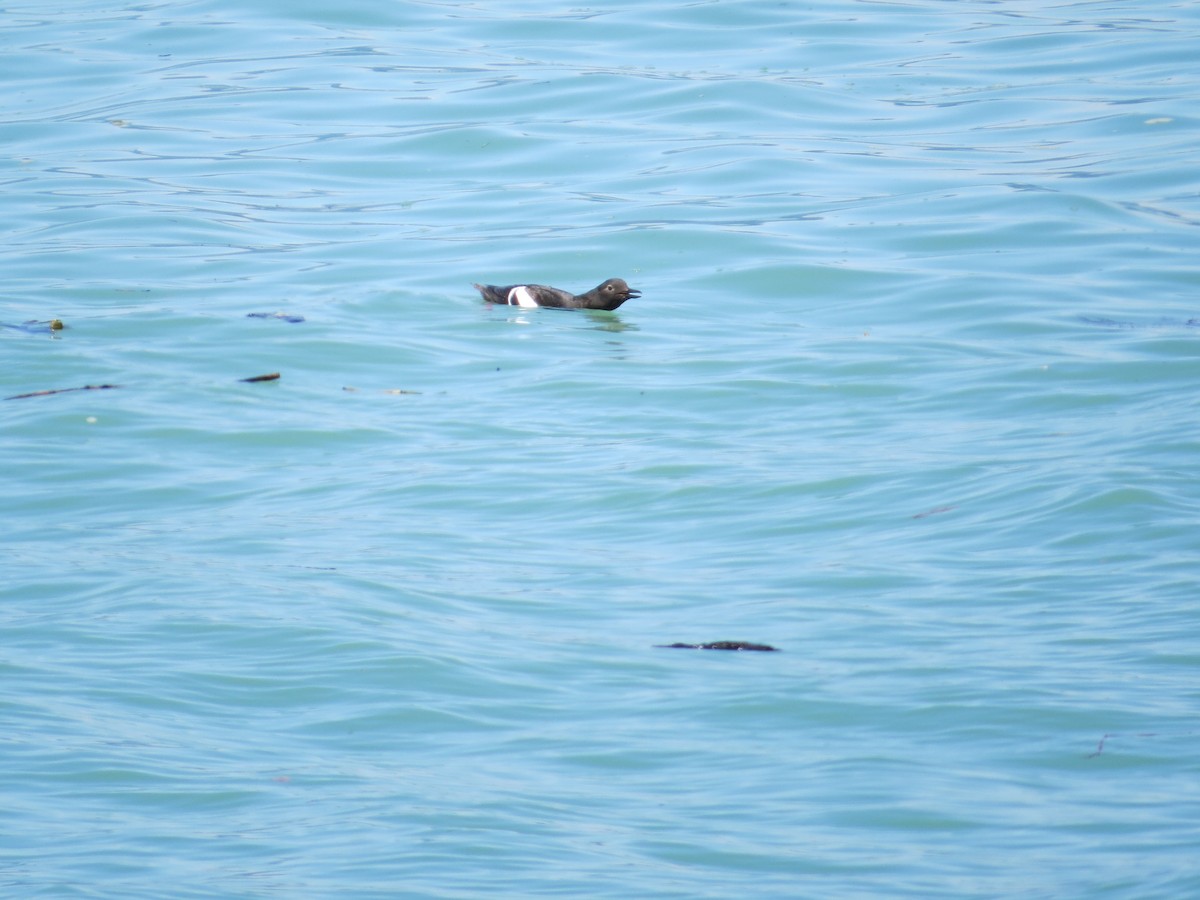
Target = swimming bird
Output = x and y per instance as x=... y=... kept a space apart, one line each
x=608 y=295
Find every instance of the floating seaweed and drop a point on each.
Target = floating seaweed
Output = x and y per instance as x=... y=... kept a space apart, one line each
x=33 y=326
x=721 y=645
x=86 y=387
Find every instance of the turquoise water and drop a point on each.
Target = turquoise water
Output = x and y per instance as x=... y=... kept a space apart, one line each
x=909 y=394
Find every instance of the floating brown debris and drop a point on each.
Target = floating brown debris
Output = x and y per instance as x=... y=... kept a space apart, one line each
x=273 y=376
x=721 y=645
x=33 y=326
x=86 y=387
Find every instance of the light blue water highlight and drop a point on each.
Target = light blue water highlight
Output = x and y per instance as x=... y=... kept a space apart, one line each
x=909 y=394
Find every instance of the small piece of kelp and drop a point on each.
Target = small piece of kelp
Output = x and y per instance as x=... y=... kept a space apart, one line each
x=33 y=326
x=273 y=376
x=286 y=317
x=86 y=387
x=720 y=645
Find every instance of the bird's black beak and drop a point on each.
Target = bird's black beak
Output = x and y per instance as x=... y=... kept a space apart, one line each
x=633 y=292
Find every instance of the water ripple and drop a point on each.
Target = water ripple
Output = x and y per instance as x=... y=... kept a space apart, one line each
x=908 y=395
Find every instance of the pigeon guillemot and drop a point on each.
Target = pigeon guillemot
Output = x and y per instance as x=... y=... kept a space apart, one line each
x=609 y=295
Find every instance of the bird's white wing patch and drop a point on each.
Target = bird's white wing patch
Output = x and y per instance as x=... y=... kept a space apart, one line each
x=520 y=296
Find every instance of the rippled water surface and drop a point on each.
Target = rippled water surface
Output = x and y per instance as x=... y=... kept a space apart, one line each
x=910 y=395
